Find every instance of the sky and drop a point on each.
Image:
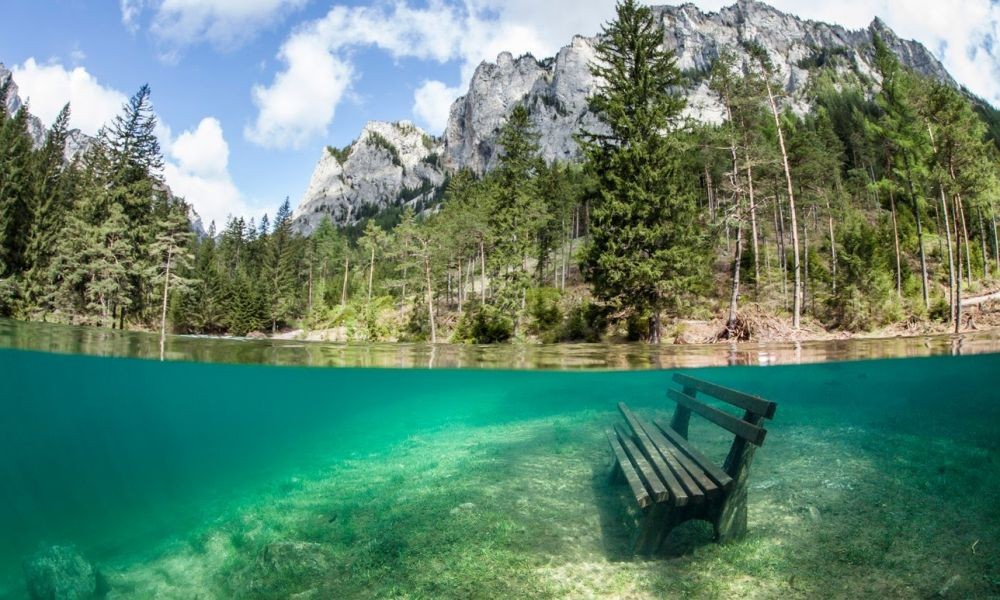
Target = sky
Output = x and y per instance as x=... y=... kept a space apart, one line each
x=248 y=93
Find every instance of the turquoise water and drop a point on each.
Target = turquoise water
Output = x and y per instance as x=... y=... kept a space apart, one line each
x=878 y=474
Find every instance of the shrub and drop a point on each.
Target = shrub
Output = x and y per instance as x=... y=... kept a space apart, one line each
x=484 y=325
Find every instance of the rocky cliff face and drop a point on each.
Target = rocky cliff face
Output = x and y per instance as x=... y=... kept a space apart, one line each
x=76 y=142
x=390 y=164
x=556 y=92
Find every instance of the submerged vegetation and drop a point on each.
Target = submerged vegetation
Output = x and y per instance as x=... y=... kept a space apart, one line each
x=865 y=211
x=510 y=496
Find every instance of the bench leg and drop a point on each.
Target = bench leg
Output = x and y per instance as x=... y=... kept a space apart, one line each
x=646 y=539
x=616 y=475
x=731 y=519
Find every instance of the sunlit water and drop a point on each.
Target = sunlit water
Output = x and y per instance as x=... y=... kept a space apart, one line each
x=126 y=458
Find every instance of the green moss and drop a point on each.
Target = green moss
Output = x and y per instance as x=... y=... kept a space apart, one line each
x=379 y=141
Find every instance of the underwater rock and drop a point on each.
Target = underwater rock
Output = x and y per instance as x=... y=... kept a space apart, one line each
x=60 y=573
x=282 y=570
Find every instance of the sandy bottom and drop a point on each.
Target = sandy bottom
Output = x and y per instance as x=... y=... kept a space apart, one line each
x=526 y=510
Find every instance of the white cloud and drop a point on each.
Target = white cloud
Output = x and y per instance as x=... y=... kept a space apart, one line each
x=50 y=86
x=302 y=99
x=223 y=23
x=470 y=33
x=197 y=169
x=432 y=102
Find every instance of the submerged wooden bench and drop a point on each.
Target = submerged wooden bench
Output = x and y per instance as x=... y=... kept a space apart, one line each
x=671 y=480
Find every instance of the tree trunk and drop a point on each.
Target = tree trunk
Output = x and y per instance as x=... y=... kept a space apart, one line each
x=895 y=241
x=371 y=274
x=965 y=239
x=982 y=238
x=310 y=303
x=735 y=294
x=805 y=265
x=343 y=291
x=779 y=233
x=163 y=313
x=920 y=237
x=753 y=226
x=958 y=282
x=711 y=196
x=996 y=242
x=430 y=293
x=833 y=246
x=797 y=298
x=951 y=256
x=460 y=284
x=482 y=271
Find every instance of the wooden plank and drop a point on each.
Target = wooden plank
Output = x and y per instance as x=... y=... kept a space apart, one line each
x=648 y=474
x=754 y=404
x=677 y=491
x=693 y=477
x=711 y=469
x=638 y=489
x=747 y=431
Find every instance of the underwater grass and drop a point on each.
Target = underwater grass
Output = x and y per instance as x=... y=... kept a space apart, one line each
x=523 y=510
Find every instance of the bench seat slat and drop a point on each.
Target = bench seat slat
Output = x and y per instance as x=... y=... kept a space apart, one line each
x=754 y=404
x=751 y=433
x=716 y=473
x=648 y=474
x=679 y=495
x=694 y=478
x=634 y=483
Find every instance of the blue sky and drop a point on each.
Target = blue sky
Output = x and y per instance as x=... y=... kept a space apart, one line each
x=249 y=92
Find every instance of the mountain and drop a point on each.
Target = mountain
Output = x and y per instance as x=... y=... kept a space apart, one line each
x=77 y=142
x=556 y=89
x=390 y=164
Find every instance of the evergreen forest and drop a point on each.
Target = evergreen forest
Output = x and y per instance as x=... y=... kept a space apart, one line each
x=864 y=211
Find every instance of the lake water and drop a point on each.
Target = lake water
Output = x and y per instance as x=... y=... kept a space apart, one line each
x=184 y=479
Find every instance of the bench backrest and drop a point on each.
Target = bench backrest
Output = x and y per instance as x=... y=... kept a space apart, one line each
x=748 y=428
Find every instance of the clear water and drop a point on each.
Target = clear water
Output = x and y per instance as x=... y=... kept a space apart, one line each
x=177 y=478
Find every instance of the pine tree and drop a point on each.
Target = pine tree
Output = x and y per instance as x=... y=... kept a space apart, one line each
x=278 y=271
x=53 y=189
x=646 y=253
x=16 y=162
x=171 y=258
x=518 y=213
